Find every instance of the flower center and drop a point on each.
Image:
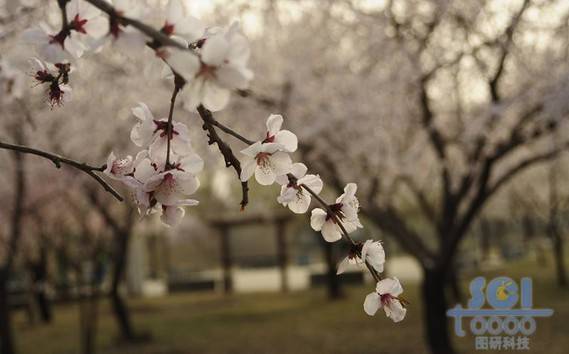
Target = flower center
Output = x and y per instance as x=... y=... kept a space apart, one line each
x=168 y=29
x=78 y=24
x=263 y=159
x=161 y=125
x=337 y=210
x=115 y=28
x=55 y=94
x=119 y=166
x=59 y=38
x=43 y=76
x=269 y=138
x=207 y=71
x=386 y=299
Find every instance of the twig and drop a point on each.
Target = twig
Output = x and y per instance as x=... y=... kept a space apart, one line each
x=210 y=122
x=328 y=210
x=59 y=160
x=159 y=38
x=177 y=86
x=230 y=159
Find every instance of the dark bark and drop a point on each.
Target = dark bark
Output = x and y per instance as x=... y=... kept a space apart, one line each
x=559 y=260
x=6 y=335
x=554 y=227
x=435 y=306
x=120 y=309
x=39 y=280
x=333 y=281
x=454 y=285
x=6 y=332
x=558 y=253
x=485 y=234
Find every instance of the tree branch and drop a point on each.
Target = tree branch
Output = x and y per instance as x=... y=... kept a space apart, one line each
x=230 y=159
x=159 y=38
x=59 y=160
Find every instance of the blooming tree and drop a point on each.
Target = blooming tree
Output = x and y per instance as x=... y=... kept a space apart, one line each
x=448 y=102
x=206 y=64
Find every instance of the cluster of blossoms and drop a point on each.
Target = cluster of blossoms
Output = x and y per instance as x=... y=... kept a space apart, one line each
x=207 y=64
x=163 y=175
x=269 y=161
x=55 y=77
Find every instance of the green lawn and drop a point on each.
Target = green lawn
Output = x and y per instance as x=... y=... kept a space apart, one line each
x=296 y=323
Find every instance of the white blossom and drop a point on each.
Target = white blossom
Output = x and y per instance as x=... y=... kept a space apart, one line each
x=286 y=138
x=371 y=252
x=119 y=168
x=87 y=23
x=374 y=254
x=127 y=40
x=53 y=46
x=266 y=161
x=172 y=185
x=153 y=133
x=345 y=211
x=180 y=25
x=386 y=296
x=293 y=196
x=173 y=214
x=220 y=68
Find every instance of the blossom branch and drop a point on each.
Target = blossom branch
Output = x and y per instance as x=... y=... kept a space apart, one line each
x=159 y=38
x=230 y=160
x=59 y=160
x=210 y=123
x=178 y=84
x=64 y=20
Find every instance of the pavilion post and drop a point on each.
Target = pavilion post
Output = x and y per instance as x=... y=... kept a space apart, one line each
x=282 y=253
x=226 y=259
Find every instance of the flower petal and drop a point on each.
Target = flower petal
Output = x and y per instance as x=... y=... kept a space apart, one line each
x=265 y=174
x=395 y=311
x=281 y=163
x=274 y=123
x=233 y=78
x=300 y=203
x=214 y=50
x=248 y=166
x=343 y=266
x=184 y=63
x=314 y=182
x=215 y=97
x=287 y=139
x=372 y=303
x=331 y=232
x=192 y=163
x=252 y=150
x=172 y=215
x=298 y=170
x=390 y=286
x=317 y=219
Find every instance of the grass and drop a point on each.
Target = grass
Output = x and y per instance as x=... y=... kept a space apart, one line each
x=297 y=323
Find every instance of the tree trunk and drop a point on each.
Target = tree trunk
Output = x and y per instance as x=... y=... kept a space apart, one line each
x=454 y=284
x=332 y=280
x=554 y=227
x=120 y=308
x=39 y=279
x=485 y=230
x=6 y=335
x=559 y=254
x=435 y=307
